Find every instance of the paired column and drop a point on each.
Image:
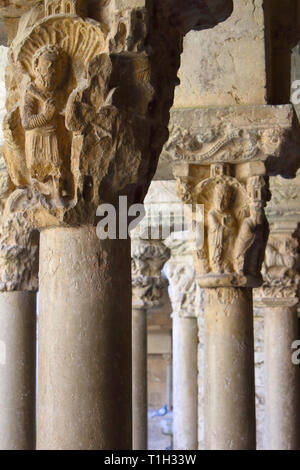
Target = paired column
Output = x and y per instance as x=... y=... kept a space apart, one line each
x=182 y=291
x=148 y=258
x=279 y=299
x=87 y=133
x=227 y=177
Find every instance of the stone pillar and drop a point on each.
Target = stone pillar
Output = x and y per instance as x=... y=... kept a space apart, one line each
x=282 y=377
x=279 y=299
x=85 y=130
x=229 y=369
x=227 y=175
x=148 y=258
x=181 y=275
x=84 y=341
x=17 y=370
x=18 y=286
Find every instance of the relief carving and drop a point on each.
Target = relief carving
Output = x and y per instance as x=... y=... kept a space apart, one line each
x=88 y=101
x=235 y=227
x=181 y=274
x=280 y=271
x=148 y=283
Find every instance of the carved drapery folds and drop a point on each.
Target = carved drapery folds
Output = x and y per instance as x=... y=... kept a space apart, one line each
x=222 y=159
x=88 y=101
x=148 y=283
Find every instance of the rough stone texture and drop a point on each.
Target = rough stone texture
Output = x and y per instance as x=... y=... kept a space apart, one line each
x=92 y=87
x=227 y=65
x=17 y=370
x=236 y=134
x=84 y=397
x=3 y=62
x=229 y=370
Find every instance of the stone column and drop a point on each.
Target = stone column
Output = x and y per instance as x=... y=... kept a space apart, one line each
x=181 y=275
x=148 y=258
x=18 y=286
x=229 y=369
x=84 y=341
x=85 y=130
x=279 y=299
x=227 y=175
x=17 y=370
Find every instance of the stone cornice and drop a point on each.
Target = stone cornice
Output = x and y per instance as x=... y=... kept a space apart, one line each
x=235 y=134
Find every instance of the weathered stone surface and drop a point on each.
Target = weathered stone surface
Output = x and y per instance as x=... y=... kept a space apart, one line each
x=229 y=134
x=148 y=259
x=217 y=66
x=88 y=102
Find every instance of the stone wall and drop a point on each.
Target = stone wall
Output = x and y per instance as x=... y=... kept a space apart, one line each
x=218 y=65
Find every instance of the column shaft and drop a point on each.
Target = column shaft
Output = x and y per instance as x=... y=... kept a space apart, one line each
x=17 y=370
x=282 y=379
x=84 y=394
x=139 y=379
x=185 y=387
x=229 y=350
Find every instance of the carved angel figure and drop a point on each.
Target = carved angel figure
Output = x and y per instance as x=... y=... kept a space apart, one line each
x=221 y=228
x=41 y=117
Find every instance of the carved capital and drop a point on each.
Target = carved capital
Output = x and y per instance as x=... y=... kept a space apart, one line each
x=88 y=101
x=281 y=268
x=19 y=243
x=181 y=274
x=235 y=226
x=148 y=259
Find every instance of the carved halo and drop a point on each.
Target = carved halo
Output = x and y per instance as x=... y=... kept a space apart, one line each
x=80 y=39
x=206 y=189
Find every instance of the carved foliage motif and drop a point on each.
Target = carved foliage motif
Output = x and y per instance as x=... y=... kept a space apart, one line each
x=235 y=227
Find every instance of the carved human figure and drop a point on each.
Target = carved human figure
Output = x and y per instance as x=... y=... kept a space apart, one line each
x=250 y=234
x=92 y=119
x=43 y=121
x=221 y=228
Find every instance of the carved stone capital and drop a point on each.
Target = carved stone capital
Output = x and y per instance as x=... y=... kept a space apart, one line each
x=148 y=259
x=281 y=267
x=181 y=274
x=19 y=243
x=222 y=158
x=89 y=93
x=235 y=226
